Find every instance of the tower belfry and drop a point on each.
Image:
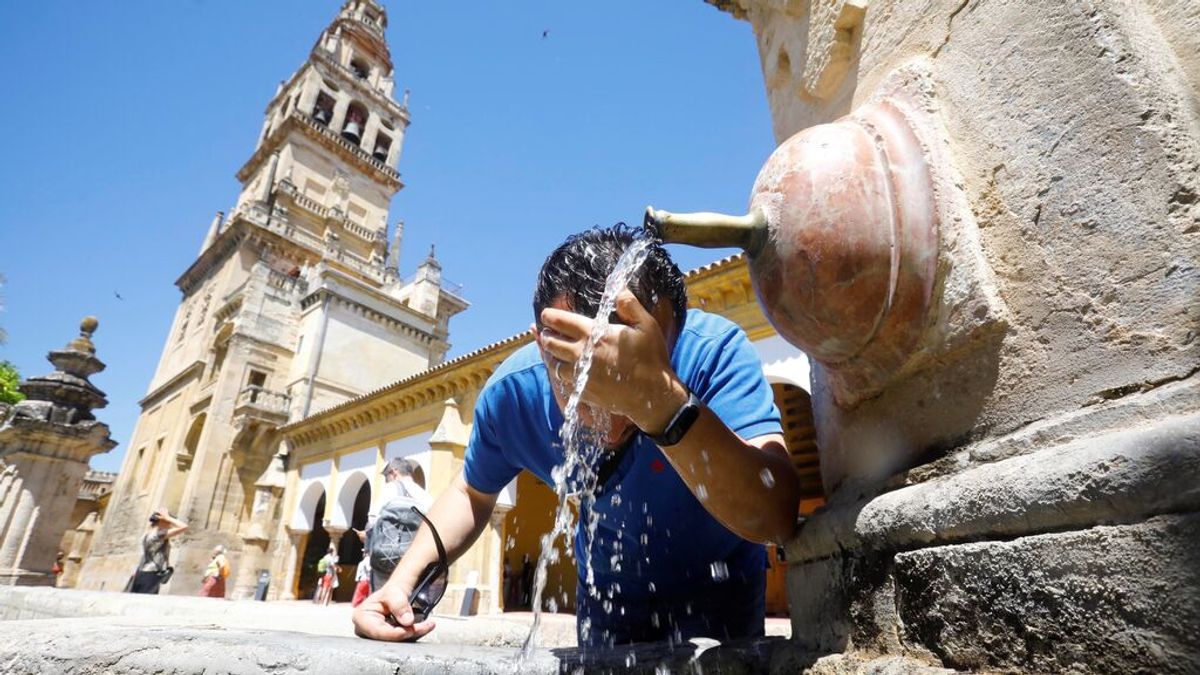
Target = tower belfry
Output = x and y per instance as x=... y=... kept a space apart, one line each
x=294 y=304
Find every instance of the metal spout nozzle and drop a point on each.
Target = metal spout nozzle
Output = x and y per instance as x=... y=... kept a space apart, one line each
x=709 y=230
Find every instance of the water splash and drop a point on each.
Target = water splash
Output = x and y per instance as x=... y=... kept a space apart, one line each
x=583 y=447
x=720 y=571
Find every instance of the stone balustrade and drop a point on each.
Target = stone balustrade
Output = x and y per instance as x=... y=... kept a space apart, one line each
x=356 y=151
x=259 y=398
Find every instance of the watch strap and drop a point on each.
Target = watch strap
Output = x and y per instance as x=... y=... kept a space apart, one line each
x=680 y=423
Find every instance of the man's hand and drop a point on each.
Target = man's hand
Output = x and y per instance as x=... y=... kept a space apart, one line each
x=386 y=615
x=631 y=372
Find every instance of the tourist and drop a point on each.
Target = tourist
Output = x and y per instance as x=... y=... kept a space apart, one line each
x=153 y=570
x=399 y=481
x=327 y=569
x=57 y=568
x=696 y=474
x=362 y=581
x=215 y=574
x=392 y=523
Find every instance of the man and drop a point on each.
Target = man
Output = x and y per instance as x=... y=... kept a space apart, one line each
x=398 y=481
x=695 y=456
x=390 y=523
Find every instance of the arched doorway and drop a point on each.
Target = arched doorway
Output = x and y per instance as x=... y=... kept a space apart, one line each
x=350 y=550
x=316 y=545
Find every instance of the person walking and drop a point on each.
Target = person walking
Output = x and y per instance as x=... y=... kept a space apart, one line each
x=154 y=570
x=327 y=567
x=362 y=581
x=215 y=574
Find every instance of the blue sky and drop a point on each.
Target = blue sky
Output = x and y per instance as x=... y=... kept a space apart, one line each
x=124 y=123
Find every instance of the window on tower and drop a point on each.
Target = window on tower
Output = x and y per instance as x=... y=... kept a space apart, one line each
x=323 y=108
x=356 y=119
x=383 y=144
x=360 y=68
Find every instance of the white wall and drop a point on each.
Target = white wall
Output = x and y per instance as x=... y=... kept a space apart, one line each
x=783 y=363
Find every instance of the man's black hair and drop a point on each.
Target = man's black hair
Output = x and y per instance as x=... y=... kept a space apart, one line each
x=577 y=270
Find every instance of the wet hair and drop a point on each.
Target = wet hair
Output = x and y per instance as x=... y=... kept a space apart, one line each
x=406 y=467
x=578 y=268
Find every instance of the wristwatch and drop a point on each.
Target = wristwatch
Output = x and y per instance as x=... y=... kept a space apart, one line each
x=679 y=425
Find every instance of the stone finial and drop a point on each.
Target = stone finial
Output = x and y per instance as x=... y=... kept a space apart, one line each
x=83 y=343
x=450 y=430
x=431 y=259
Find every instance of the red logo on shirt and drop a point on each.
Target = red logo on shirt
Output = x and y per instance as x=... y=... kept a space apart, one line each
x=657 y=466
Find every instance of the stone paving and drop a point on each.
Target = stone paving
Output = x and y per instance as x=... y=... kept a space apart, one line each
x=46 y=630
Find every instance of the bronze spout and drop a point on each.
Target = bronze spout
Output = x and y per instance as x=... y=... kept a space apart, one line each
x=709 y=230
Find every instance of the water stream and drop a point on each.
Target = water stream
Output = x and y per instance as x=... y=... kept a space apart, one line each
x=583 y=448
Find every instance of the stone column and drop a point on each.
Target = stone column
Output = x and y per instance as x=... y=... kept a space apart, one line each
x=339 y=113
x=46 y=442
x=288 y=578
x=335 y=536
x=370 y=131
x=491 y=581
x=308 y=93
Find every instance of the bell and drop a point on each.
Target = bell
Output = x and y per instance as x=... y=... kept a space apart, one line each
x=352 y=131
x=321 y=115
x=380 y=153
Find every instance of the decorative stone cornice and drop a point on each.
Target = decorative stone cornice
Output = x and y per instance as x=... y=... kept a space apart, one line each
x=378 y=171
x=211 y=258
x=408 y=330
x=192 y=370
x=464 y=374
x=724 y=288
x=736 y=8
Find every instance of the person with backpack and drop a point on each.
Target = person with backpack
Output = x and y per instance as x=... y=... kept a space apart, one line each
x=392 y=525
x=215 y=574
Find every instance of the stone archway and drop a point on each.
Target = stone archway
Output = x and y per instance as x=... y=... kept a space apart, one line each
x=307 y=518
x=350 y=548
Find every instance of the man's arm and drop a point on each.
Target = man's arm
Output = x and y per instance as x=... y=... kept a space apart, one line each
x=459 y=514
x=631 y=375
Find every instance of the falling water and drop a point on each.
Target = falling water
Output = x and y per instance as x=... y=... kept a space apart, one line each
x=583 y=446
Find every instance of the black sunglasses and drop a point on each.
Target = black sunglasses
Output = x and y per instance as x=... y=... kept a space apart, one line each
x=431 y=585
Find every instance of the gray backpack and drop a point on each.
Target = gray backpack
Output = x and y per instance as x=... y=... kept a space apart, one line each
x=390 y=536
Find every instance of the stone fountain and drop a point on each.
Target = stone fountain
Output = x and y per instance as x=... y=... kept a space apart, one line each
x=46 y=442
x=985 y=236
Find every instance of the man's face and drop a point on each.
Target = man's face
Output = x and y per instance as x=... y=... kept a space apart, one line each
x=620 y=428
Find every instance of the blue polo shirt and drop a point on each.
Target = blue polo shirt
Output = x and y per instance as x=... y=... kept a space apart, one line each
x=653 y=537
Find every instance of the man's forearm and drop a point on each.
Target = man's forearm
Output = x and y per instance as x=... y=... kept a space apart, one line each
x=754 y=491
x=459 y=514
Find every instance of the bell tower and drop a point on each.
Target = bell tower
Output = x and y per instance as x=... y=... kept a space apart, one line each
x=295 y=303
